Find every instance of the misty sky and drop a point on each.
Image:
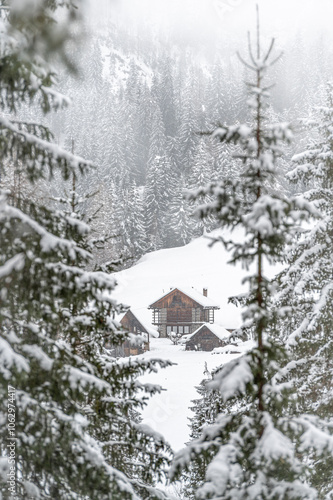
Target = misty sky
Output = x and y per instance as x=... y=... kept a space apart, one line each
x=280 y=18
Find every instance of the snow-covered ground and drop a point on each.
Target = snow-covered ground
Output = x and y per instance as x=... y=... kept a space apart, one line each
x=194 y=265
x=168 y=412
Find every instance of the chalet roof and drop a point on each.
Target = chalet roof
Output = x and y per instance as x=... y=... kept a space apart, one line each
x=218 y=330
x=193 y=294
x=142 y=320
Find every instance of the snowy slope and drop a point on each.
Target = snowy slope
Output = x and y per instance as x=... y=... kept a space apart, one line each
x=194 y=265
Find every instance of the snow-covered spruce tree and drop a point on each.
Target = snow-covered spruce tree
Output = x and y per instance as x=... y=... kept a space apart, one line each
x=201 y=174
x=165 y=96
x=189 y=126
x=71 y=403
x=157 y=197
x=179 y=224
x=307 y=286
x=205 y=409
x=256 y=450
x=130 y=223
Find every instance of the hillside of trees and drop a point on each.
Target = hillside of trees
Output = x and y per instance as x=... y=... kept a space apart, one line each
x=143 y=97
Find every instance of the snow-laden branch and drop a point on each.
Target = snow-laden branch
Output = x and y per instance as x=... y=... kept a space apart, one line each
x=55 y=151
x=48 y=241
x=233 y=378
x=16 y=263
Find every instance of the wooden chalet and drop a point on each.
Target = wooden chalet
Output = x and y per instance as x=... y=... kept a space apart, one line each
x=206 y=338
x=131 y=323
x=182 y=311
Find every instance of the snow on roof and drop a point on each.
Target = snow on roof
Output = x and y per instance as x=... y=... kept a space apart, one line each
x=218 y=330
x=239 y=347
x=140 y=317
x=195 y=295
x=148 y=326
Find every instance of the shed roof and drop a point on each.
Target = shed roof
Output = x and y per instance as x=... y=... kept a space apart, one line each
x=147 y=326
x=218 y=330
x=193 y=294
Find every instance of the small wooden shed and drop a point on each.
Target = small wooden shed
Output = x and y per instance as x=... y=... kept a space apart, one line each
x=136 y=327
x=206 y=338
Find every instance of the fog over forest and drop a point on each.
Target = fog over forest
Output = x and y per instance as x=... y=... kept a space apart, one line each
x=168 y=59
x=156 y=51
x=225 y=17
x=152 y=76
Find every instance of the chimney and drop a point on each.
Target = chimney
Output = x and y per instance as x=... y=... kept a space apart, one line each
x=205 y=292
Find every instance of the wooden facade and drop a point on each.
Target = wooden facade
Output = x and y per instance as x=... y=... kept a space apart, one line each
x=204 y=339
x=131 y=323
x=181 y=312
